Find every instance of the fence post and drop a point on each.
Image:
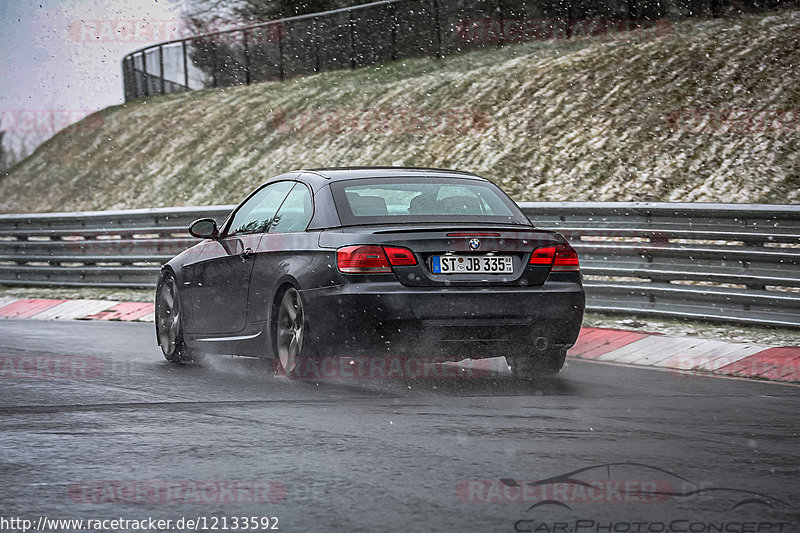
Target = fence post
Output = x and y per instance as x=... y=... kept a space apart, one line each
x=281 y=71
x=352 y=39
x=715 y=9
x=246 y=58
x=393 y=22
x=213 y=66
x=161 y=66
x=126 y=88
x=570 y=21
x=185 y=67
x=501 y=17
x=134 y=77
x=438 y=24
x=146 y=76
x=315 y=43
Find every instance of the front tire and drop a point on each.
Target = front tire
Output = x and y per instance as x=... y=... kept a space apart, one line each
x=289 y=330
x=169 y=321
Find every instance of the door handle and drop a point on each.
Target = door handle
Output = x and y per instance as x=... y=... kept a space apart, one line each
x=247 y=253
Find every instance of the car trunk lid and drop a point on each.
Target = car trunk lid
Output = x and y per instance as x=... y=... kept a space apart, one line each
x=454 y=255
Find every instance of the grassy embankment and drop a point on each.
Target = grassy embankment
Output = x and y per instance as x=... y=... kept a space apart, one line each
x=557 y=121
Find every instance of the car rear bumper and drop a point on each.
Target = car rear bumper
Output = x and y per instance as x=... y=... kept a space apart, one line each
x=378 y=318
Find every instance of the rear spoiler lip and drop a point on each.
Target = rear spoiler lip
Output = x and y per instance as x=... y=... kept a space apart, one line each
x=401 y=228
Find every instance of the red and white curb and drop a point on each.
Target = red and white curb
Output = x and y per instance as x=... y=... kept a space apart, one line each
x=45 y=309
x=688 y=355
x=682 y=355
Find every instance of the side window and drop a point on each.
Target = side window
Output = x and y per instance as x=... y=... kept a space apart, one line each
x=295 y=213
x=256 y=215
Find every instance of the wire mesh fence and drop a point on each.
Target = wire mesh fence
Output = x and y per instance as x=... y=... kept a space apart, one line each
x=344 y=38
x=387 y=30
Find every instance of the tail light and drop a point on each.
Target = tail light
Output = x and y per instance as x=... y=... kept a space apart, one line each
x=543 y=256
x=400 y=256
x=566 y=259
x=362 y=260
x=562 y=257
x=372 y=259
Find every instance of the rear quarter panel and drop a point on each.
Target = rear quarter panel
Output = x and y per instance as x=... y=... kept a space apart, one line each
x=288 y=259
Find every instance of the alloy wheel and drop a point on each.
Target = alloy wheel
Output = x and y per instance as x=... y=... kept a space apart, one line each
x=290 y=330
x=168 y=317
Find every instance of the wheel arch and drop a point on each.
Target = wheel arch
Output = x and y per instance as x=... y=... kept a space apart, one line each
x=165 y=271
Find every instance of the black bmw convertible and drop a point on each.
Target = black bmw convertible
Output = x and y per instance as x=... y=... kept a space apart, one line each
x=373 y=262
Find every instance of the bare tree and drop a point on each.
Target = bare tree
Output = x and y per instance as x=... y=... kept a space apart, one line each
x=224 y=62
x=2 y=153
x=14 y=149
x=258 y=10
x=8 y=157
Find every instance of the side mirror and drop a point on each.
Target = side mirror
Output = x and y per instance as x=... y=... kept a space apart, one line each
x=205 y=228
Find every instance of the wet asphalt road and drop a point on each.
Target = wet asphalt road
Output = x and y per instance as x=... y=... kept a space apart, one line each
x=120 y=433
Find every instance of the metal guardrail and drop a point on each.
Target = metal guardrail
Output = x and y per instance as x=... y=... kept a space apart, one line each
x=730 y=262
x=102 y=248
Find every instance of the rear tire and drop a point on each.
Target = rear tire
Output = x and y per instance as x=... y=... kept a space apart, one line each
x=545 y=364
x=169 y=321
x=289 y=329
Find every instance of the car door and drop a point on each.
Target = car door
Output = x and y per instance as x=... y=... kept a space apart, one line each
x=277 y=249
x=219 y=283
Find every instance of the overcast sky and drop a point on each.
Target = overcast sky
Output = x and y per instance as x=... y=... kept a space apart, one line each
x=61 y=58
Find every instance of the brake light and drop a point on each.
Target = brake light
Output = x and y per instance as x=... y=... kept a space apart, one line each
x=400 y=256
x=543 y=256
x=566 y=259
x=362 y=260
x=563 y=257
x=473 y=234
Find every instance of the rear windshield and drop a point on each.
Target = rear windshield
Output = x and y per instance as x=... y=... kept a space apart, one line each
x=421 y=199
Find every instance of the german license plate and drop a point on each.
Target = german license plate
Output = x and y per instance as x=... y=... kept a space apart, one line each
x=472 y=264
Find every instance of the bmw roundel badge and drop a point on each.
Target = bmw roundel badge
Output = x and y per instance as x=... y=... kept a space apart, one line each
x=474 y=244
